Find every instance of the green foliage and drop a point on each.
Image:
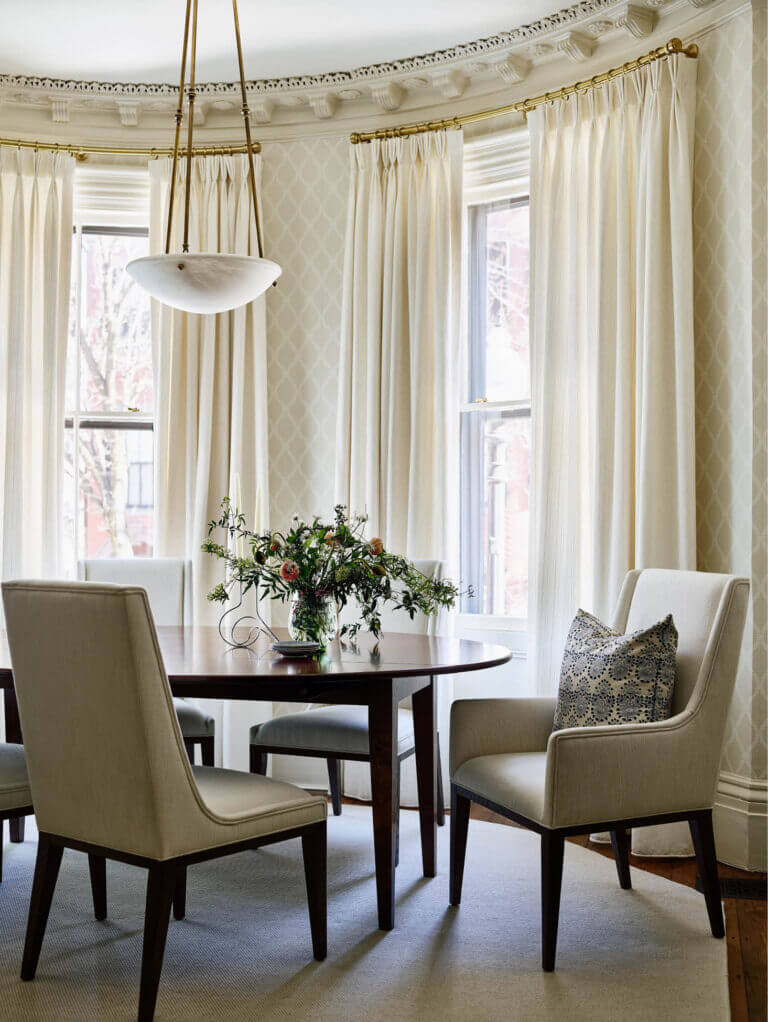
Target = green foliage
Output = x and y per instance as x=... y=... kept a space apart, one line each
x=330 y=561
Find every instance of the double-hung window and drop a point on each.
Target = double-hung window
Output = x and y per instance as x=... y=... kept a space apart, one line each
x=108 y=455
x=496 y=413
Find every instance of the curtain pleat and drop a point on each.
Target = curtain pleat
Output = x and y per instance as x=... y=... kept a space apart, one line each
x=613 y=484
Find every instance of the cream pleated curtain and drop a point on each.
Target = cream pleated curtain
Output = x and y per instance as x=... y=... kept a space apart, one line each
x=611 y=353
x=210 y=378
x=36 y=244
x=396 y=439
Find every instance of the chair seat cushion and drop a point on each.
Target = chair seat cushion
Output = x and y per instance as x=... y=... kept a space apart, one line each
x=611 y=678
x=513 y=780
x=193 y=721
x=234 y=796
x=14 y=783
x=341 y=729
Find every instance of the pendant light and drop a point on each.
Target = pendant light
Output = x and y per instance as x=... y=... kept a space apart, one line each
x=205 y=282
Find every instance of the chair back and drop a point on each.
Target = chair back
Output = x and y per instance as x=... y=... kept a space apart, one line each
x=709 y=611
x=104 y=751
x=167 y=581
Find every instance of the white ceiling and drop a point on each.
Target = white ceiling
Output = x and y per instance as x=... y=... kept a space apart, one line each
x=140 y=40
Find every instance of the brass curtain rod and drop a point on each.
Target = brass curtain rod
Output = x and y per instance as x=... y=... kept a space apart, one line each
x=81 y=152
x=522 y=106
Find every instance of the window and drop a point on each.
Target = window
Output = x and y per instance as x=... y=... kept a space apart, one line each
x=108 y=456
x=496 y=415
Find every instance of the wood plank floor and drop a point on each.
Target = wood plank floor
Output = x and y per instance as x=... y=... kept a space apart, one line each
x=745 y=924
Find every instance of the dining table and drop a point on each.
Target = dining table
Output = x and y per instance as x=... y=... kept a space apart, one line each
x=377 y=674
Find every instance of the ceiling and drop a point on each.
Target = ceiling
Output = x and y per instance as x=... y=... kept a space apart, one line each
x=140 y=40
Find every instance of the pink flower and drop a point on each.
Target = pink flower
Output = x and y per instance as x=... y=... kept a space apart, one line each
x=289 y=571
x=377 y=546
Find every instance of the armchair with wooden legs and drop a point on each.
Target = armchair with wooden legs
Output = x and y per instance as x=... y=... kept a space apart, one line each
x=505 y=756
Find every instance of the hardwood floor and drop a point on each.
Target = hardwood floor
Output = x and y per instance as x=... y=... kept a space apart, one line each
x=745 y=923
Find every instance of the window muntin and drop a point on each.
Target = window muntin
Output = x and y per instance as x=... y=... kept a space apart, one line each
x=109 y=459
x=495 y=420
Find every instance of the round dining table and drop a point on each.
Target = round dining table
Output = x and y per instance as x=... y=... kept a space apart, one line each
x=377 y=675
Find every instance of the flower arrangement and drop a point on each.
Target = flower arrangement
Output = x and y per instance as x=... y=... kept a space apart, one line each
x=319 y=566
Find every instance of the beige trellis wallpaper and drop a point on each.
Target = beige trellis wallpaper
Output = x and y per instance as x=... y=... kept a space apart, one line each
x=305 y=194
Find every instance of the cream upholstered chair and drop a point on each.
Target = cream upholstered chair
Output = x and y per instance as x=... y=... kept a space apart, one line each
x=121 y=785
x=15 y=796
x=168 y=584
x=505 y=756
x=337 y=733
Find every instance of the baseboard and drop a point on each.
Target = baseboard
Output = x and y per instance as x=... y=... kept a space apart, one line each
x=741 y=822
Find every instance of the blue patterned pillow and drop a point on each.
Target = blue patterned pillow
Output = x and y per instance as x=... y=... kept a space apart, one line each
x=610 y=678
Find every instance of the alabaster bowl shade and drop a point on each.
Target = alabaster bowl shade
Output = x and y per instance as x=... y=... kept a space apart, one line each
x=205 y=282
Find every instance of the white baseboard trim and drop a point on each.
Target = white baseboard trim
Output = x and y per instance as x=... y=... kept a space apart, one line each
x=741 y=821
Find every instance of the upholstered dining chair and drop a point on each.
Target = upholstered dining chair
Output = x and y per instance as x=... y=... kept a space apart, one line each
x=121 y=786
x=338 y=733
x=168 y=584
x=15 y=796
x=505 y=756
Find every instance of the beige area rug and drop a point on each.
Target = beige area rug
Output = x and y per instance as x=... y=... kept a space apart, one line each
x=244 y=950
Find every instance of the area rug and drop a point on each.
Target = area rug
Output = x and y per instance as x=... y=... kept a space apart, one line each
x=244 y=950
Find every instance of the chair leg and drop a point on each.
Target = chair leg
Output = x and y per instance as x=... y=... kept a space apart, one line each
x=460 y=807
x=396 y=785
x=189 y=745
x=207 y=750
x=440 y=798
x=46 y=871
x=704 y=844
x=334 y=782
x=1 y=851
x=161 y=885
x=315 y=849
x=16 y=827
x=97 y=866
x=258 y=763
x=180 y=894
x=620 y=843
x=552 y=849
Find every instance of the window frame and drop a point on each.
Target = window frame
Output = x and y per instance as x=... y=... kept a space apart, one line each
x=76 y=419
x=475 y=405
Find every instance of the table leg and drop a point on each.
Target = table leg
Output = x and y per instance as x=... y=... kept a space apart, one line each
x=382 y=731
x=425 y=733
x=13 y=734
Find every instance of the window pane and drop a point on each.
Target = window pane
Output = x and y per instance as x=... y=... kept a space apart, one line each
x=109 y=525
x=115 y=341
x=507 y=364
x=495 y=470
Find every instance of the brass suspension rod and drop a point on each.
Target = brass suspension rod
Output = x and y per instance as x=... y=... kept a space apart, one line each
x=247 y=119
x=81 y=152
x=524 y=105
x=179 y=118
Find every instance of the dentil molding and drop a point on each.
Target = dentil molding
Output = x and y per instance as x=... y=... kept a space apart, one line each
x=576 y=33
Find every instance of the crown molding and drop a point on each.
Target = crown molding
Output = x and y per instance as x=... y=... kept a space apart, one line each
x=579 y=33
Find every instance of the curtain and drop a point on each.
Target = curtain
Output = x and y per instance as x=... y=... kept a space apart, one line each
x=611 y=351
x=210 y=396
x=36 y=245
x=396 y=439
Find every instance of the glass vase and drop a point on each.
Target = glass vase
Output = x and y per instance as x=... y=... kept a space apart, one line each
x=313 y=618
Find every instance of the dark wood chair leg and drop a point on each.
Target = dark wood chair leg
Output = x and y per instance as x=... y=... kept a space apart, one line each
x=315 y=849
x=382 y=731
x=460 y=807
x=552 y=849
x=620 y=843
x=424 y=720
x=1 y=851
x=703 y=838
x=46 y=871
x=258 y=763
x=97 y=866
x=440 y=797
x=207 y=750
x=17 y=830
x=180 y=894
x=334 y=782
x=161 y=885
x=189 y=745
